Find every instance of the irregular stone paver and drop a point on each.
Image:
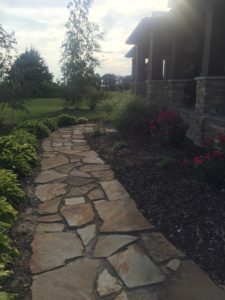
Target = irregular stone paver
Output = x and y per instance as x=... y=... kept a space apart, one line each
x=79 y=173
x=77 y=200
x=140 y=294
x=159 y=248
x=50 y=250
x=96 y=194
x=136 y=268
x=50 y=191
x=87 y=233
x=94 y=168
x=50 y=227
x=72 y=173
x=93 y=160
x=79 y=181
x=174 y=264
x=77 y=215
x=48 y=176
x=190 y=283
x=109 y=244
x=72 y=282
x=107 y=284
x=114 y=190
x=49 y=207
x=103 y=175
x=80 y=191
x=50 y=218
x=121 y=216
x=52 y=162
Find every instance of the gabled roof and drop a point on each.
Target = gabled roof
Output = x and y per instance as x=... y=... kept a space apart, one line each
x=131 y=53
x=145 y=26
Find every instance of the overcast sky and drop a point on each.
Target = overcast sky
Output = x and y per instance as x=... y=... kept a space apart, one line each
x=40 y=24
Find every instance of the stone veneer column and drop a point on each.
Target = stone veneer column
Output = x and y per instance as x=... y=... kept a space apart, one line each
x=210 y=95
x=177 y=92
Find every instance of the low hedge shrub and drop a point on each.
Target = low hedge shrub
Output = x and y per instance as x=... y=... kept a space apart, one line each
x=35 y=127
x=10 y=187
x=82 y=120
x=21 y=136
x=18 y=157
x=51 y=123
x=66 y=120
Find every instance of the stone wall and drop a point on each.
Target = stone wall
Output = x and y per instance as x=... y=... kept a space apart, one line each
x=180 y=93
x=210 y=95
x=158 y=94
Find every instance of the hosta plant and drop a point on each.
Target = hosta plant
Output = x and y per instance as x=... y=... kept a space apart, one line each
x=36 y=127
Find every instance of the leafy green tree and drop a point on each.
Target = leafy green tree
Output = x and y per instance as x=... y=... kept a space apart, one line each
x=7 y=51
x=31 y=72
x=80 y=46
x=109 y=81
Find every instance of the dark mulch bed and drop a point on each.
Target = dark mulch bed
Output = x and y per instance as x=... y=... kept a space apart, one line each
x=191 y=214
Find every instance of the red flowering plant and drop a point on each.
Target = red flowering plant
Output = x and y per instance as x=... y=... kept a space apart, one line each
x=210 y=166
x=169 y=128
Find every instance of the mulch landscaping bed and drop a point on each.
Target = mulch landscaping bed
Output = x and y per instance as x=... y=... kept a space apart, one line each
x=190 y=213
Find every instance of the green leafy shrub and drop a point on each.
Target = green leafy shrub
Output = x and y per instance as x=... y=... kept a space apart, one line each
x=20 y=158
x=166 y=163
x=8 y=214
x=35 y=127
x=210 y=166
x=169 y=128
x=119 y=145
x=51 y=123
x=97 y=131
x=82 y=120
x=94 y=97
x=21 y=136
x=10 y=187
x=66 y=120
x=128 y=116
x=7 y=296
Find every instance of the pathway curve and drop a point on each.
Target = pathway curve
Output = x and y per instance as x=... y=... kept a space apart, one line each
x=91 y=242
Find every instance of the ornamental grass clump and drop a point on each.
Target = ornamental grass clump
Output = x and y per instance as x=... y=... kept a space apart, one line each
x=210 y=166
x=168 y=128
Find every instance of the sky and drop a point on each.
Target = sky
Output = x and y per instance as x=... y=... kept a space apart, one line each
x=41 y=24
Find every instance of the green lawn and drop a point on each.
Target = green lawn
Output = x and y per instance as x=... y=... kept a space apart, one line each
x=47 y=107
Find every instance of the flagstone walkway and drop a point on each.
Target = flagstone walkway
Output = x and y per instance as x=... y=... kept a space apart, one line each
x=91 y=242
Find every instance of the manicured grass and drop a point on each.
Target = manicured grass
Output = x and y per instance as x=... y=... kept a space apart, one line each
x=48 y=107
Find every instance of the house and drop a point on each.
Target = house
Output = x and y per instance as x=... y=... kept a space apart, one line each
x=178 y=63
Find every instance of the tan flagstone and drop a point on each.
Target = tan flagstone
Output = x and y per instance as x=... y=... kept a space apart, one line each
x=103 y=175
x=68 y=167
x=48 y=176
x=87 y=233
x=80 y=191
x=52 y=162
x=135 y=268
x=96 y=194
x=109 y=244
x=94 y=168
x=77 y=215
x=50 y=218
x=78 y=173
x=93 y=160
x=50 y=191
x=114 y=190
x=51 y=250
x=159 y=248
x=107 y=284
x=79 y=181
x=49 y=207
x=121 y=216
x=75 y=200
x=49 y=227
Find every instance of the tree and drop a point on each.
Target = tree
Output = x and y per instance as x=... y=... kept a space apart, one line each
x=79 y=48
x=7 y=51
x=109 y=81
x=31 y=72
